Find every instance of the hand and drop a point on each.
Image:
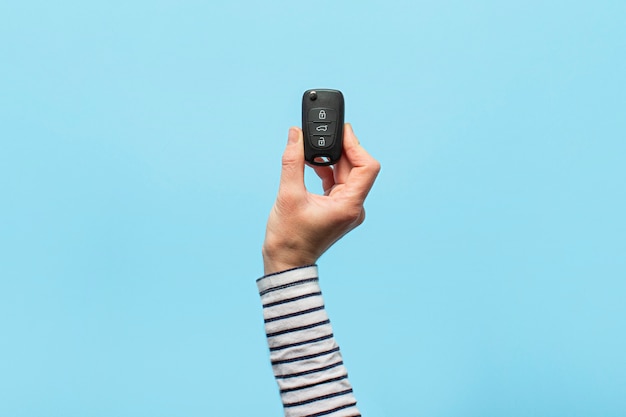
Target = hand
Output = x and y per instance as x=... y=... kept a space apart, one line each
x=303 y=225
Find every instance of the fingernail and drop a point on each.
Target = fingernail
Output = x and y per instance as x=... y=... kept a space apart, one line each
x=293 y=135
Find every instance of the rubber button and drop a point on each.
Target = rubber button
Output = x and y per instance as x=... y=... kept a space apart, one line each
x=321 y=114
x=322 y=128
x=322 y=141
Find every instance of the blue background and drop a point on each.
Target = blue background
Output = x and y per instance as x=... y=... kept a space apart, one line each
x=140 y=149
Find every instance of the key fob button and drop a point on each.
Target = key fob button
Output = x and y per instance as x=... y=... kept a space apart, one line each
x=322 y=141
x=322 y=128
x=321 y=114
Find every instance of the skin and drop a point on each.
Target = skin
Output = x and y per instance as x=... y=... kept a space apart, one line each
x=303 y=225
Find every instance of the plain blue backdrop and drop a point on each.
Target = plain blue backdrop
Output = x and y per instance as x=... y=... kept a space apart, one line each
x=140 y=149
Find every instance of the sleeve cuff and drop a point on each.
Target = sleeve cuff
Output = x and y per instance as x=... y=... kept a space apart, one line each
x=287 y=277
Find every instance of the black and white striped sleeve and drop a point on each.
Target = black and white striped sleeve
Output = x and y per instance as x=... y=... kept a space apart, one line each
x=305 y=359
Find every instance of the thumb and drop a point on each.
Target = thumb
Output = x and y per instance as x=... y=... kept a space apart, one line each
x=292 y=175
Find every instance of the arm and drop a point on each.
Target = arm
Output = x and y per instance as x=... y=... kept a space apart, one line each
x=305 y=358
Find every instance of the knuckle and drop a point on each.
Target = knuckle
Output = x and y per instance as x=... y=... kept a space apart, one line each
x=375 y=166
x=287 y=201
x=288 y=160
x=361 y=218
x=352 y=214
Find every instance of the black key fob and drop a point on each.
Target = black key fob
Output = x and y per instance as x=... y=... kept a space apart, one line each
x=322 y=125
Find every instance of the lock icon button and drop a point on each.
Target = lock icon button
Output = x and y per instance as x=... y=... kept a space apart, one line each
x=321 y=114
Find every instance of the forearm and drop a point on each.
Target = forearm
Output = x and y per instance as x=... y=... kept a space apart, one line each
x=305 y=358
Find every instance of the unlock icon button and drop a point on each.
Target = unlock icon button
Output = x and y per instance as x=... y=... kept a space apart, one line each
x=322 y=142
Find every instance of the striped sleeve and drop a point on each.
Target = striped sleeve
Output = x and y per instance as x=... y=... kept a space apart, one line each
x=305 y=358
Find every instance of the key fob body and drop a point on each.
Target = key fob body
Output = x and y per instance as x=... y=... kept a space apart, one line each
x=322 y=125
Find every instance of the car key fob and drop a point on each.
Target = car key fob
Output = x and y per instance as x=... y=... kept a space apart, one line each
x=322 y=125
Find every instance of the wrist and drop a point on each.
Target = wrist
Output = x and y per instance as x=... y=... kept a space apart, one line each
x=278 y=258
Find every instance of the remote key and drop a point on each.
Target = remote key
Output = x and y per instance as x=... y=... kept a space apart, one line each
x=322 y=125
